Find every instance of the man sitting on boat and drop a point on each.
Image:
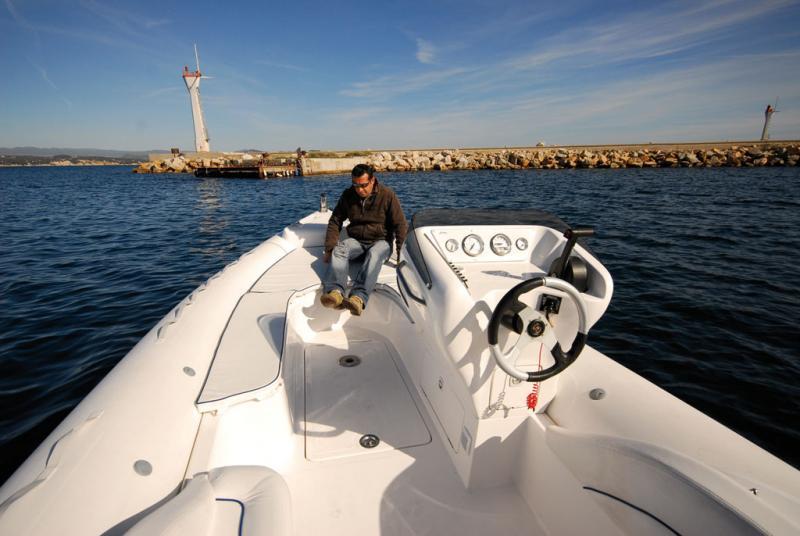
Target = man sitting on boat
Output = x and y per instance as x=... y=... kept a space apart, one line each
x=376 y=220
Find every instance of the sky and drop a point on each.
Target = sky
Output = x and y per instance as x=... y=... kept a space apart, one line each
x=402 y=74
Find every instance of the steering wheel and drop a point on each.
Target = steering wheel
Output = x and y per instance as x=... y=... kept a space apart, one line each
x=532 y=326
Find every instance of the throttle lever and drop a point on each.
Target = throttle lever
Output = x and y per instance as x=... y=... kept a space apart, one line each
x=559 y=268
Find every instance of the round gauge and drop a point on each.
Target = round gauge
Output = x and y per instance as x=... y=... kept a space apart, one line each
x=501 y=244
x=522 y=244
x=451 y=245
x=473 y=245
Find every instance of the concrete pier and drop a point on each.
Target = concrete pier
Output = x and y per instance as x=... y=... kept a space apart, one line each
x=329 y=166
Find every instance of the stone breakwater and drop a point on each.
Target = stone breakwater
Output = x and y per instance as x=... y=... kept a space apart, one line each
x=565 y=158
x=187 y=164
x=608 y=157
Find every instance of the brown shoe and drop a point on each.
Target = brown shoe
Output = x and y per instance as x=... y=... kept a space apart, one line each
x=332 y=299
x=355 y=305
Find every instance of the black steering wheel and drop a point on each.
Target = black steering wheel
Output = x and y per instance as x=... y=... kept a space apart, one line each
x=532 y=325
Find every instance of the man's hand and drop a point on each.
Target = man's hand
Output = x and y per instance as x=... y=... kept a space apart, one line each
x=326 y=258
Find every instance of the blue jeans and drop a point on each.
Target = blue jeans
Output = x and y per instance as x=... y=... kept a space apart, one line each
x=351 y=249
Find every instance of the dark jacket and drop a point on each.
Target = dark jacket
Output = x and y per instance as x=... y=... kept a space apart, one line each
x=377 y=217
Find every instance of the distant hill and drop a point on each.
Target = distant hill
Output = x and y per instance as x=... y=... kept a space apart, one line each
x=64 y=160
x=53 y=151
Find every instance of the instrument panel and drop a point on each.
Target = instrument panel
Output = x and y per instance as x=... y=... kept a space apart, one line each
x=464 y=244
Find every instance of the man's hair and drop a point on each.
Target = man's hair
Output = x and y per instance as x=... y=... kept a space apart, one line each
x=360 y=169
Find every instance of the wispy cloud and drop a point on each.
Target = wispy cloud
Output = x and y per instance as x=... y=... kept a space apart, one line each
x=134 y=41
x=426 y=52
x=512 y=74
x=280 y=65
x=357 y=114
x=156 y=22
x=125 y=21
x=130 y=31
x=391 y=86
x=246 y=76
x=160 y=91
x=43 y=73
x=659 y=31
x=715 y=99
x=21 y=21
x=118 y=28
x=12 y=10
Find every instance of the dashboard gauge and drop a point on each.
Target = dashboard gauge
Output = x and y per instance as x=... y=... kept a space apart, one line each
x=501 y=244
x=522 y=244
x=451 y=245
x=473 y=245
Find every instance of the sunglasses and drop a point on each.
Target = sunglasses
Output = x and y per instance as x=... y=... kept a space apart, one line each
x=361 y=185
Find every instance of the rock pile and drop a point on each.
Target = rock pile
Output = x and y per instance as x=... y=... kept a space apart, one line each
x=181 y=164
x=561 y=158
x=536 y=158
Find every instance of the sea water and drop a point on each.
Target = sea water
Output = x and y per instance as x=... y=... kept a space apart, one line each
x=705 y=262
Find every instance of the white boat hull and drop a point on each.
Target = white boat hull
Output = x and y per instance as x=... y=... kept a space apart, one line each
x=240 y=388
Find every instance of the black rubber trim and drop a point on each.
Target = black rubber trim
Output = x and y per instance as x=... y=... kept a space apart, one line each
x=642 y=510
x=241 y=515
x=417 y=259
x=399 y=286
x=405 y=286
x=486 y=216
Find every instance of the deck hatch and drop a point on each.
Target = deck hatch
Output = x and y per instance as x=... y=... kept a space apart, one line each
x=346 y=403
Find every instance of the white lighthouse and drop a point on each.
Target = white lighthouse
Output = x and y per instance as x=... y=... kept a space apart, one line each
x=767 y=118
x=192 y=80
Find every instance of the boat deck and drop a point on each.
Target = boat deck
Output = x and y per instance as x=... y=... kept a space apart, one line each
x=247 y=360
x=405 y=485
x=308 y=424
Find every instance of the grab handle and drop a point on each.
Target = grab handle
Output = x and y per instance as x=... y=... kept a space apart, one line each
x=404 y=283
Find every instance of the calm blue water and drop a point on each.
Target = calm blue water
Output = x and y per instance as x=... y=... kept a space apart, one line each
x=705 y=263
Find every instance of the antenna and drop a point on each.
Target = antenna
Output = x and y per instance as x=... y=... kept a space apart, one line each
x=196 y=57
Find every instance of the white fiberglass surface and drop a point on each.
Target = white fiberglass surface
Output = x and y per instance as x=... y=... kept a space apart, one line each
x=405 y=485
x=357 y=393
x=248 y=356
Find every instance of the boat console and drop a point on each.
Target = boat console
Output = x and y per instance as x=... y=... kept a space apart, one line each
x=462 y=263
x=506 y=298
